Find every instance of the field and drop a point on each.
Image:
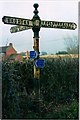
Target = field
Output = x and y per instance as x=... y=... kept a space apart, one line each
x=58 y=89
x=61 y=56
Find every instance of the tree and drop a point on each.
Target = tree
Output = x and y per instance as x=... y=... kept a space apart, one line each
x=61 y=52
x=43 y=53
x=72 y=45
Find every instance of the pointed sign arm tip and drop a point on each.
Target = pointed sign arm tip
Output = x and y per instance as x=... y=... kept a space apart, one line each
x=75 y=25
x=3 y=18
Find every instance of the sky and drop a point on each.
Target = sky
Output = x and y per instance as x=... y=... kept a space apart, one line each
x=51 y=39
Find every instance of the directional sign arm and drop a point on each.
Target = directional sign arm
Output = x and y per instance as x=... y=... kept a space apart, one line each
x=17 y=21
x=19 y=28
x=60 y=25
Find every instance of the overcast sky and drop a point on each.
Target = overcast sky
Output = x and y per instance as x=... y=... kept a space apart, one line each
x=51 y=39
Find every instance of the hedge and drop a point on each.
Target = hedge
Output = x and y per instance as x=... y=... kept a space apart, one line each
x=59 y=90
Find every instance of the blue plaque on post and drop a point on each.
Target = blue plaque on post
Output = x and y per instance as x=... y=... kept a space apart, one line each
x=40 y=63
x=32 y=54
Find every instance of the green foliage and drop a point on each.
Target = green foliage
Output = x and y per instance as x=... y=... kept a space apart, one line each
x=62 y=52
x=64 y=111
x=58 y=89
x=43 y=53
x=72 y=45
x=60 y=77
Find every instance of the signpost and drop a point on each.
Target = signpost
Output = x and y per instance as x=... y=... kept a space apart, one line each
x=35 y=24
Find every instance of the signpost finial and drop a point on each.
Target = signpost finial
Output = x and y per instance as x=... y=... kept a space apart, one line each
x=36 y=6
